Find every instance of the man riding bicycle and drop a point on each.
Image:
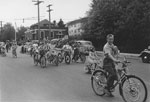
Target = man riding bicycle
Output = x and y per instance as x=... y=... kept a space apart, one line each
x=110 y=59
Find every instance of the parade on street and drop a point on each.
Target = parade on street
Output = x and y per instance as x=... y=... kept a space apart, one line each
x=22 y=81
x=75 y=51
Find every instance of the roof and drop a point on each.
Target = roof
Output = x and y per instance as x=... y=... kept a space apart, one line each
x=81 y=20
x=45 y=21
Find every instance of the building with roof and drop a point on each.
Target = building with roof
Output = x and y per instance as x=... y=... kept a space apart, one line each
x=75 y=27
x=56 y=31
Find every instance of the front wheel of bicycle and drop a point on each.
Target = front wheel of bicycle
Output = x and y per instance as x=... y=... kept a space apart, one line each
x=134 y=89
x=99 y=82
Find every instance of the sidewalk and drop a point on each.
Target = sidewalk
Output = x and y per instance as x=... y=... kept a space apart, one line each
x=127 y=55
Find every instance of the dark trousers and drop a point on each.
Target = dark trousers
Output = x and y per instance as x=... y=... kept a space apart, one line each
x=76 y=53
x=7 y=49
x=109 y=67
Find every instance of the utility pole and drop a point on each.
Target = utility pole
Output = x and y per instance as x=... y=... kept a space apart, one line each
x=49 y=10
x=1 y=23
x=38 y=6
x=15 y=32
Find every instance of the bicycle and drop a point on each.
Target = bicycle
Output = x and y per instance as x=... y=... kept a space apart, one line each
x=39 y=58
x=65 y=55
x=126 y=82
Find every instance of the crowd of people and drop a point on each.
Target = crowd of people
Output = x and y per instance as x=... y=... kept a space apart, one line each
x=44 y=46
x=110 y=53
x=109 y=62
x=5 y=47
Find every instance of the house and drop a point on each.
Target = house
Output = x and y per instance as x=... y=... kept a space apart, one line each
x=75 y=27
x=56 y=31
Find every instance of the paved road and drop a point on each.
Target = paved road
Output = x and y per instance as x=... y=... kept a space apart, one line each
x=21 y=81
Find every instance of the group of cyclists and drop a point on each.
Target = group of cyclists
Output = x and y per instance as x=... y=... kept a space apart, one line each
x=44 y=47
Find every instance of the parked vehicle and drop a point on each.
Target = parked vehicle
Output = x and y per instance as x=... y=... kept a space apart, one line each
x=129 y=85
x=84 y=45
x=145 y=55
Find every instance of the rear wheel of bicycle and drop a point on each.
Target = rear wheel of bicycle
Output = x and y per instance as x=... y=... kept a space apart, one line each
x=43 y=62
x=134 y=89
x=99 y=82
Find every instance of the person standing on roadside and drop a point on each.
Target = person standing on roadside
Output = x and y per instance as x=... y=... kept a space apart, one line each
x=7 y=46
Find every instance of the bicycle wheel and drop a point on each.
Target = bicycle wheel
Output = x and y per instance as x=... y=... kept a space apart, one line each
x=99 y=82
x=67 y=59
x=131 y=90
x=43 y=62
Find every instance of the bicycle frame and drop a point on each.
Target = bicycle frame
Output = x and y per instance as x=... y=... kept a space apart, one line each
x=123 y=76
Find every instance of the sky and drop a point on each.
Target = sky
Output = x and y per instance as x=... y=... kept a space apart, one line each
x=15 y=10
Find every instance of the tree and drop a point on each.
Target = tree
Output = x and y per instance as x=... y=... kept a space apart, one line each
x=21 y=33
x=128 y=20
x=55 y=23
x=8 y=32
x=61 y=24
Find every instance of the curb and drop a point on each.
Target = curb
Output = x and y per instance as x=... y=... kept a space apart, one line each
x=127 y=55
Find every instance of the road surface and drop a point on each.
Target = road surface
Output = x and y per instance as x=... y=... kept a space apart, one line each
x=21 y=81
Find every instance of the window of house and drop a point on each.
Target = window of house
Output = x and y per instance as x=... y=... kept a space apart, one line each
x=60 y=33
x=52 y=34
x=79 y=30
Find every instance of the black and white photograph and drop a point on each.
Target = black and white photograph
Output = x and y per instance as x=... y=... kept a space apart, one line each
x=74 y=50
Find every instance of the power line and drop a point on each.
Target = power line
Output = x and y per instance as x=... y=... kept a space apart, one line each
x=28 y=18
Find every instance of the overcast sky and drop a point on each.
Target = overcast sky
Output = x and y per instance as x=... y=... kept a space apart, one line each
x=68 y=10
